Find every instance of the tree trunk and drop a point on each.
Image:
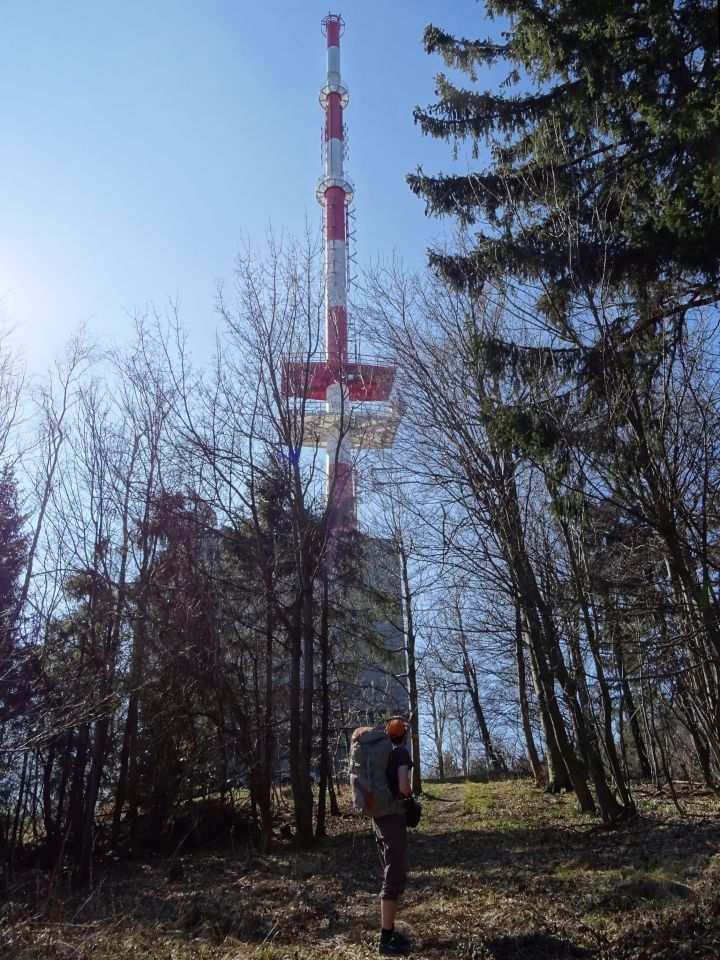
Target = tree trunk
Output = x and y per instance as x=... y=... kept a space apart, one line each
x=334 y=805
x=267 y=752
x=77 y=782
x=128 y=745
x=532 y=753
x=305 y=812
x=325 y=773
x=610 y=809
x=577 y=557
x=558 y=773
x=48 y=819
x=438 y=724
x=91 y=796
x=16 y=830
x=411 y=672
x=301 y=719
x=471 y=683
x=65 y=772
x=541 y=638
x=628 y=701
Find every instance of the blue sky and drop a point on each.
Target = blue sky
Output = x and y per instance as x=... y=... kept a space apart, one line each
x=142 y=141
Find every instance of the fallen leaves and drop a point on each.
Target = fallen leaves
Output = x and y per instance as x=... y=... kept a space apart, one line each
x=498 y=871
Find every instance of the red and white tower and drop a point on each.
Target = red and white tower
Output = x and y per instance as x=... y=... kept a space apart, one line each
x=353 y=408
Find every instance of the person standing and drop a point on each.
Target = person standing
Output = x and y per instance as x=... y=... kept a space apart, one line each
x=391 y=836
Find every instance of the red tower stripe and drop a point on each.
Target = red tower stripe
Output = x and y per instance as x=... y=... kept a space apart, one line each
x=333 y=33
x=335 y=213
x=333 y=118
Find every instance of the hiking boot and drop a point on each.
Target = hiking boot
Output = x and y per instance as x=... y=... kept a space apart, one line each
x=396 y=945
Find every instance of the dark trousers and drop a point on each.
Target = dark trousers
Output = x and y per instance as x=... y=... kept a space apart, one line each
x=391 y=837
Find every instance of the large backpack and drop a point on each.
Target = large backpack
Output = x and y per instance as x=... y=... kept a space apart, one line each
x=370 y=752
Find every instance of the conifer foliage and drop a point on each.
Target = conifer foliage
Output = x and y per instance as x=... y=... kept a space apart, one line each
x=12 y=561
x=608 y=114
x=593 y=232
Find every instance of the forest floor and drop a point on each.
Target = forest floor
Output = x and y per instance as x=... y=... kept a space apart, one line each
x=497 y=871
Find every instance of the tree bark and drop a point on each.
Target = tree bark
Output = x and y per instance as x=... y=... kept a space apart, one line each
x=91 y=797
x=532 y=753
x=471 y=683
x=75 y=800
x=628 y=702
x=325 y=773
x=267 y=747
x=438 y=724
x=410 y=639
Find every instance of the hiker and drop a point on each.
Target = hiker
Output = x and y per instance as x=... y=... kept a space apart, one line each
x=391 y=836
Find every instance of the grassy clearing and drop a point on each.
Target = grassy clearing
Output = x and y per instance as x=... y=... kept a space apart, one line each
x=498 y=871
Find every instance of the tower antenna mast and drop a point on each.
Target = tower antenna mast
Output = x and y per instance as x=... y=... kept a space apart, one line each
x=353 y=409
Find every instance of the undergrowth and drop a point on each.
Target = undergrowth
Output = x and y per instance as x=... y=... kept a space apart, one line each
x=498 y=871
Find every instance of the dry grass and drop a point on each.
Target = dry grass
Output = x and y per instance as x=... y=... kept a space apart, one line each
x=498 y=871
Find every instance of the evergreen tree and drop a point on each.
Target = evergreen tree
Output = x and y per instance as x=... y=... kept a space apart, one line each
x=14 y=670
x=599 y=213
x=13 y=549
x=608 y=121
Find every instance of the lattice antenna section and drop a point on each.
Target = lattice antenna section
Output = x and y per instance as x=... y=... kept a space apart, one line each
x=352 y=265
